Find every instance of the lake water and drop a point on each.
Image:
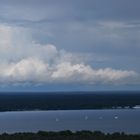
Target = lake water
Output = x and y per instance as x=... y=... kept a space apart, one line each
x=126 y=120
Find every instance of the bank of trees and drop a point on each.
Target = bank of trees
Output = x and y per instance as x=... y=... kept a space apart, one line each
x=67 y=101
x=68 y=135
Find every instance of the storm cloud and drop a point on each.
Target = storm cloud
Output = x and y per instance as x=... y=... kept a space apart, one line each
x=24 y=60
x=91 y=42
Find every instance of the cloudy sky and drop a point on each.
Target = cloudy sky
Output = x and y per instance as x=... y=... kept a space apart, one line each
x=54 y=45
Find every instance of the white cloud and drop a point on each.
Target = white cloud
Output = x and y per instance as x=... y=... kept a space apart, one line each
x=23 y=60
x=36 y=70
x=84 y=73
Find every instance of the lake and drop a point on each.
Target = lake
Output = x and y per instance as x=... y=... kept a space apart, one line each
x=107 y=120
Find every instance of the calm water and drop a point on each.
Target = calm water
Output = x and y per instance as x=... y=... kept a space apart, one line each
x=127 y=120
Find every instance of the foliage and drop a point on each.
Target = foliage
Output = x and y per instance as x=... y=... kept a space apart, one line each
x=68 y=135
x=67 y=101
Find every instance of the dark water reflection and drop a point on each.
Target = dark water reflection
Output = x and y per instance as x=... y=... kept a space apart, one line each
x=126 y=120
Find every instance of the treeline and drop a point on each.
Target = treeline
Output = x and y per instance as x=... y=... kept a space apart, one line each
x=68 y=135
x=67 y=101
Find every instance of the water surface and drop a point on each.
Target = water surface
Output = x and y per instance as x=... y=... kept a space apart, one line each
x=113 y=120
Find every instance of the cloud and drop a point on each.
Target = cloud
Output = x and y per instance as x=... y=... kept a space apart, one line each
x=35 y=70
x=24 y=60
x=85 y=73
x=51 y=9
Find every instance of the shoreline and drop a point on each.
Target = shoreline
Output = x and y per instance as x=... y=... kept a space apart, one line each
x=44 y=110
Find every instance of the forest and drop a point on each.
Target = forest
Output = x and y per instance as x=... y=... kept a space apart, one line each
x=69 y=135
x=68 y=100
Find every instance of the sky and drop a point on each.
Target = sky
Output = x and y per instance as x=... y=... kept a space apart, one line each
x=69 y=45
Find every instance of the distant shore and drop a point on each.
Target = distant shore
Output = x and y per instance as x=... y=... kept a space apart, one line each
x=113 y=108
x=73 y=101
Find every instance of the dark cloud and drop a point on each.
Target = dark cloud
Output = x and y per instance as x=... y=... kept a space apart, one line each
x=107 y=28
x=76 y=9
